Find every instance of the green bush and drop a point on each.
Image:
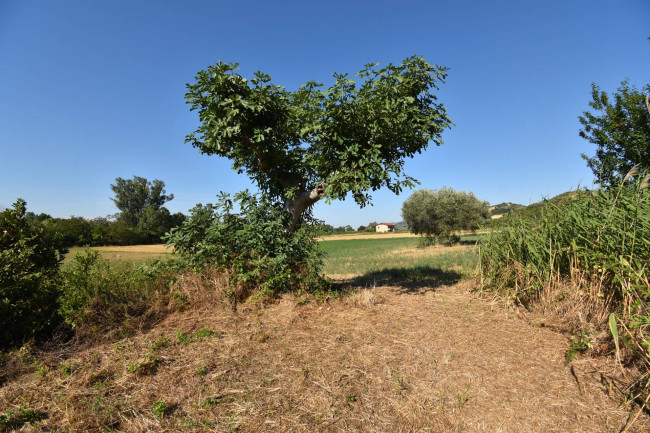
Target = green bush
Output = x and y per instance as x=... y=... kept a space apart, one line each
x=253 y=247
x=29 y=278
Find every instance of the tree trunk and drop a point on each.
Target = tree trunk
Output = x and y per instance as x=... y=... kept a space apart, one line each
x=304 y=200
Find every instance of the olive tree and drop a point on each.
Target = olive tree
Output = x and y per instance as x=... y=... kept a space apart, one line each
x=436 y=214
x=318 y=142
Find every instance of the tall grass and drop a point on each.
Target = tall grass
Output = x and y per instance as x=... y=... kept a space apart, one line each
x=100 y=297
x=593 y=248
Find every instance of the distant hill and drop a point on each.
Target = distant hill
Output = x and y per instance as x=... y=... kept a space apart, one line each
x=535 y=209
x=501 y=209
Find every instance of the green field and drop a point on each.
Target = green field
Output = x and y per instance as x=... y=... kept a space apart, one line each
x=362 y=260
x=398 y=261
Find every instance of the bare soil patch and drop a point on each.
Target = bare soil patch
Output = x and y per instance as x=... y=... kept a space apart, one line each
x=388 y=359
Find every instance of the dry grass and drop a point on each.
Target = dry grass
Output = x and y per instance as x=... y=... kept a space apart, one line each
x=158 y=248
x=133 y=253
x=383 y=360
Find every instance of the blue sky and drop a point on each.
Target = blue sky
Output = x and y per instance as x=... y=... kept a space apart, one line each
x=92 y=90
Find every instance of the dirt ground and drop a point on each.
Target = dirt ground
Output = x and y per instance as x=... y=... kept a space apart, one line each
x=387 y=359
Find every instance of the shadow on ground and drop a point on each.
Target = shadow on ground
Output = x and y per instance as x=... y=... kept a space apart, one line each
x=418 y=279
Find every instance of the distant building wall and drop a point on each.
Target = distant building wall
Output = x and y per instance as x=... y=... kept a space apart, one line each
x=383 y=228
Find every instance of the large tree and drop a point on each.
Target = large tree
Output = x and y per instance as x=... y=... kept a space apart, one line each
x=620 y=129
x=141 y=204
x=435 y=214
x=320 y=142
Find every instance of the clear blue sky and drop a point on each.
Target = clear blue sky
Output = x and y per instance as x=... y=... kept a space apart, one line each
x=93 y=90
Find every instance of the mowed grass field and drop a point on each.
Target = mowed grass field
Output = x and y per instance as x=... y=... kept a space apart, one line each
x=130 y=253
x=361 y=259
x=356 y=257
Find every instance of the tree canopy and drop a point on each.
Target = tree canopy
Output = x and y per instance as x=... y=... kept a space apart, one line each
x=620 y=129
x=141 y=204
x=134 y=196
x=320 y=142
x=438 y=213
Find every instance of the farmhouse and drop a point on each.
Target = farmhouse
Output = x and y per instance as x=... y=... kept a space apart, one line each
x=385 y=227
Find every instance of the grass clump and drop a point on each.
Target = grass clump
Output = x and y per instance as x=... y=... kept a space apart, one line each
x=182 y=338
x=113 y=298
x=16 y=418
x=205 y=333
x=580 y=343
x=159 y=409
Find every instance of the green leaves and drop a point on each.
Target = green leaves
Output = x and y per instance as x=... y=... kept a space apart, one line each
x=620 y=129
x=29 y=277
x=353 y=135
x=613 y=328
x=133 y=197
x=253 y=245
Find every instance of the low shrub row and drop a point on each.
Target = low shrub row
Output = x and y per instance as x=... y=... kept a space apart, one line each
x=38 y=294
x=239 y=254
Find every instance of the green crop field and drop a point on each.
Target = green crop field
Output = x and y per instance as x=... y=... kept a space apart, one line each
x=386 y=259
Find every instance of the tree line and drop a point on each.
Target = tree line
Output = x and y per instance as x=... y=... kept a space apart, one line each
x=142 y=218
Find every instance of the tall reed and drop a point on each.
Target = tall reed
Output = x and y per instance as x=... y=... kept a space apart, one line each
x=594 y=245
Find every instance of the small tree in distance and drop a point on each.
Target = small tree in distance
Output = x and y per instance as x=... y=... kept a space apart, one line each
x=436 y=214
x=134 y=196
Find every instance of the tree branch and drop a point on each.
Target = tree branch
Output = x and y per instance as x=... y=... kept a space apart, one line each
x=268 y=167
x=303 y=201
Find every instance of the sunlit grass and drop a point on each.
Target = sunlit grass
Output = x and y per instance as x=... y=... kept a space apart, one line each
x=132 y=253
x=356 y=257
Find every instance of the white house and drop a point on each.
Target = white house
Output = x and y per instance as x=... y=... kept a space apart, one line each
x=385 y=227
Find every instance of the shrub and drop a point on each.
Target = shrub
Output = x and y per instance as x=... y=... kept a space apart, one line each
x=253 y=246
x=29 y=277
x=601 y=236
